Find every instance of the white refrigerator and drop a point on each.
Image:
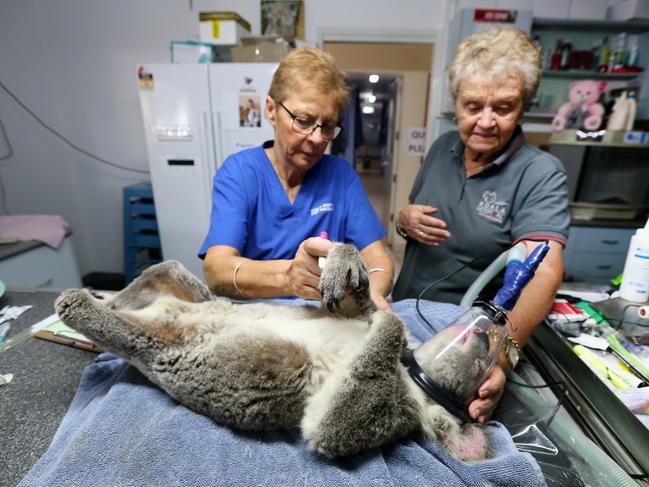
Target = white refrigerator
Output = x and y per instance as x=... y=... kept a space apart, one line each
x=195 y=115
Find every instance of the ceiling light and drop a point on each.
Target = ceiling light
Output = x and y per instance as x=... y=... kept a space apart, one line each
x=371 y=98
x=368 y=109
x=374 y=78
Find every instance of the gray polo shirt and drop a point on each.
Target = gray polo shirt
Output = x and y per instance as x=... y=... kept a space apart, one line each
x=520 y=195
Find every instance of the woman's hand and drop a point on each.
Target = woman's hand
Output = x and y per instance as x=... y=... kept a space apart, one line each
x=380 y=301
x=303 y=275
x=489 y=394
x=417 y=222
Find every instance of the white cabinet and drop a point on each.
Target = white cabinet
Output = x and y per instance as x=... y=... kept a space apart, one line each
x=40 y=266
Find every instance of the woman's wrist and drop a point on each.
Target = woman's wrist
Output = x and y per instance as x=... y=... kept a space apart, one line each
x=400 y=231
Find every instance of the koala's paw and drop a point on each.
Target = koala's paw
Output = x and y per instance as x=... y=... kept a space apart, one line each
x=471 y=445
x=74 y=302
x=344 y=269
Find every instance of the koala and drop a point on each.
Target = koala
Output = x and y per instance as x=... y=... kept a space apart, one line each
x=258 y=366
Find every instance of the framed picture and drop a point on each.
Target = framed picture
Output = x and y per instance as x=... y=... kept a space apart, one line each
x=249 y=110
x=284 y=18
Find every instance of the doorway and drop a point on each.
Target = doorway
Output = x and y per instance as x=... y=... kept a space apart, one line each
x=368 y=136
x=386 y=168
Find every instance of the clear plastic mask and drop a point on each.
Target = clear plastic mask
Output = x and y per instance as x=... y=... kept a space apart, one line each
x=457 y=359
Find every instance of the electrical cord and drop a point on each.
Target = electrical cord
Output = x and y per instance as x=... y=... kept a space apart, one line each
x=10 y=150
x=444 y=278
x=3 y=196
x=64 y=139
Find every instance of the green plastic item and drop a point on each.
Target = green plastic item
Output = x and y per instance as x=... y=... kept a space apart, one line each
x=590 y=311
x=627 y=356
x=617 y=280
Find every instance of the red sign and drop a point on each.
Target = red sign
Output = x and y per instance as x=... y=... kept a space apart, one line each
x=493 y=15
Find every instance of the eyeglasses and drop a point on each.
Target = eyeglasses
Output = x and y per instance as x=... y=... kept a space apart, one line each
x=306 y=126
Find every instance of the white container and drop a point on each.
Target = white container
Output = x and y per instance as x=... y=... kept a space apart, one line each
x=222 y=28
x=635 y=280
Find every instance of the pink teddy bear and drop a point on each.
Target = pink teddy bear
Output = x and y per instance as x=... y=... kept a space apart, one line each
x=583 y=110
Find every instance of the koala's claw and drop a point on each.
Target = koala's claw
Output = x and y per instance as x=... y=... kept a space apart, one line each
x=344 y=269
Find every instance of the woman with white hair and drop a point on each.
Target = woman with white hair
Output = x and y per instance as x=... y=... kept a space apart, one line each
x=483 y=188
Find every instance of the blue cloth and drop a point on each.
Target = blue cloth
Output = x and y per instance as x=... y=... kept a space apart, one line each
x=122 y=431
x=252 y=213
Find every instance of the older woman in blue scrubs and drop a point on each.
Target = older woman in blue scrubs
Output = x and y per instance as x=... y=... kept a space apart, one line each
x=278 y=207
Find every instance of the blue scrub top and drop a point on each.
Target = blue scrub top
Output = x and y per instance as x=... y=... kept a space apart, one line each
x=251 y=211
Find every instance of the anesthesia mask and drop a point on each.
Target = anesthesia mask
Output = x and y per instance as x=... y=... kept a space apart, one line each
x=451 y=365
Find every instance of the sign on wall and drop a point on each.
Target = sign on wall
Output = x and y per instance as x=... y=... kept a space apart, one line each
x=416 y=141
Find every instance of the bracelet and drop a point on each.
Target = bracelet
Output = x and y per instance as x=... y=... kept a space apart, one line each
x=380 y=269
x=234 y=280
x=400 y=231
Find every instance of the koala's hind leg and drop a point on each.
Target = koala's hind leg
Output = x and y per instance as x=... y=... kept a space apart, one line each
x=367 y=404
x=345 y=269
x=78 y=309
x=169 y=278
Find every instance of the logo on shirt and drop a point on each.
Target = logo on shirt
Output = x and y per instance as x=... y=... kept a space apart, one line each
x=321 y=208
x=490 y=208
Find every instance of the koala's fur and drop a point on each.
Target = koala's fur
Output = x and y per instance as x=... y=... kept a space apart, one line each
x=259 y=366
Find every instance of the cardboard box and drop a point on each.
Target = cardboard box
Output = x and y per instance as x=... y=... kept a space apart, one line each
x=267 y=52
x=222 y=28
x=629 y=9
x=588 y=9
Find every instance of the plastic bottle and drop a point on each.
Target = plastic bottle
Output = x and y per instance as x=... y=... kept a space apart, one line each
x=595 y=51
x=635 y=280
x=618 y=118
x=555 y=59
x=566 y=49
x=632 y=107
x=604 y=55
x=620 y=54
x=633 y=52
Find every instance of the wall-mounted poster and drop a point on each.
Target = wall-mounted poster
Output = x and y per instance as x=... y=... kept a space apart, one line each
x=249 y=110
x=283 y=18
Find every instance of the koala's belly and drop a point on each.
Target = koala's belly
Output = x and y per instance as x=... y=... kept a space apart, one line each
x=328 y=339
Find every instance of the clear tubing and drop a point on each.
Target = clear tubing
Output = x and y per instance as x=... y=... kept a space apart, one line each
x=563 y=426
x=517 y=252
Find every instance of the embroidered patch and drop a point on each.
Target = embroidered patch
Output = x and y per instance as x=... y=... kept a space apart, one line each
x=490 y=208
x=321 y=208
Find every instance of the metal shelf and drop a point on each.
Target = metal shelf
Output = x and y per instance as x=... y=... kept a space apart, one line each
x=583 y=74
x=631 y=26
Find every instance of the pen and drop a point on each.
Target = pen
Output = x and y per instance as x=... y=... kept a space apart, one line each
x=322 y=260
x=4 y=331
x=75 y=343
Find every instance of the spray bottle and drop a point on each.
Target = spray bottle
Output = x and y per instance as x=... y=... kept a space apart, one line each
x=635 y=279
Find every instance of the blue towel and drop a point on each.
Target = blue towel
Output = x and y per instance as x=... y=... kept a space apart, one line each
x=123 y=431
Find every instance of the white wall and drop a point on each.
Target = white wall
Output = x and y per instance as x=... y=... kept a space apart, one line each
x=73 y=63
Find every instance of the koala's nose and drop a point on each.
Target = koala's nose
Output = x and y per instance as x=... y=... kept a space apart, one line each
x=484 y=339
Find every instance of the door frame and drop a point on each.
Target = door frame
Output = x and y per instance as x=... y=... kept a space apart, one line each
x=435 y=84
x=438 y=38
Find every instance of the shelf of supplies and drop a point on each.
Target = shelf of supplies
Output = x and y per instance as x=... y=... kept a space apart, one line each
x=631 y=26
x=540 y=114
x=582 y=74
